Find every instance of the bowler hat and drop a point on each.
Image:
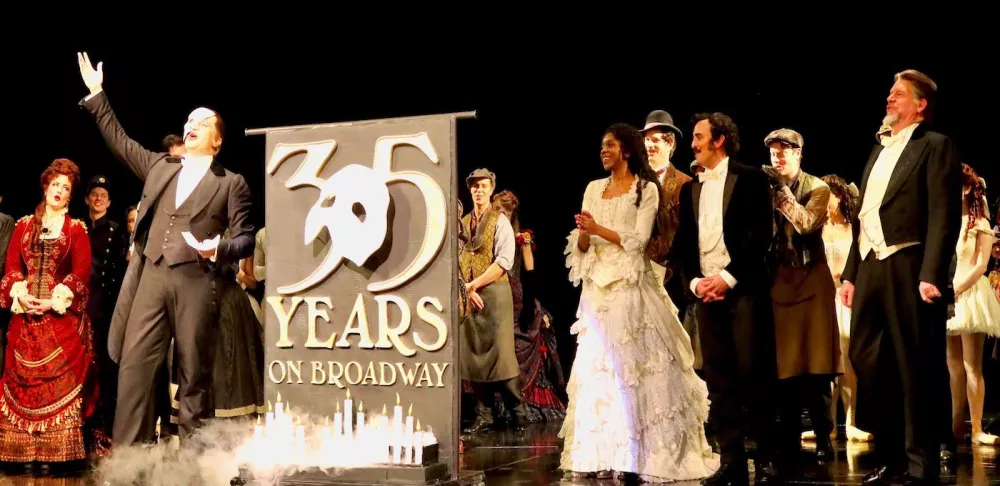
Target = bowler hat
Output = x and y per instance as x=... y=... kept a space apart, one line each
x=661 y=119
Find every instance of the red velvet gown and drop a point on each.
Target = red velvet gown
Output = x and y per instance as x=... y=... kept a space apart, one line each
x=49 y=382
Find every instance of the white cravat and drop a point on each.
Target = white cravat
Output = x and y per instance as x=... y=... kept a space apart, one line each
x=193 y=168
x=872 y=237
x=711 y=241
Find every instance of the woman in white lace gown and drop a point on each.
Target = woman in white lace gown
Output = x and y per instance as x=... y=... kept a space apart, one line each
x=635 y=403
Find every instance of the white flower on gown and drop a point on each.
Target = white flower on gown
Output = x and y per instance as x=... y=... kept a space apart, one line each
x=635 y=403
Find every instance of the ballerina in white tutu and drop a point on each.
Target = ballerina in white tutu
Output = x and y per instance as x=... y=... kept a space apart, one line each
x=977 y=311
x=635 y=403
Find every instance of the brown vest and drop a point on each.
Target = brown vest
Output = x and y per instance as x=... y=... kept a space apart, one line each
x=669 y=218
x=478 y=255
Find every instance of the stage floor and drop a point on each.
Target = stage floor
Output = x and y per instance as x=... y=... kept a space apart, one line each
x=532 y=458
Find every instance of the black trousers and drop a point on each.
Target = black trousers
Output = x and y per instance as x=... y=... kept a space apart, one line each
x=813 y=393
x=897 y=349
x=175 y=301
x=107 y=372
x=740 y=368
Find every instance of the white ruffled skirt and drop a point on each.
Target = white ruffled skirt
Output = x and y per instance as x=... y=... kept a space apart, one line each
x=976 y=311
x=635 y=403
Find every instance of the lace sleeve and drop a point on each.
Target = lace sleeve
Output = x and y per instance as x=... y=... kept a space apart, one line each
x=633 y=260
x=577 y=261
x=635 y=240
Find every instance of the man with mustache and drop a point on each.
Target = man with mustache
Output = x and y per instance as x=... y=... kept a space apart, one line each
x=722 y=243
x=904 y=238
x=169 y=288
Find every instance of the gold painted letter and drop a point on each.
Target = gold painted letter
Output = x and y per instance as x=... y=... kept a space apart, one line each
x=315 y=312
x=357 y=324
x=434 y=320
x=387 y=336
x=278 y=306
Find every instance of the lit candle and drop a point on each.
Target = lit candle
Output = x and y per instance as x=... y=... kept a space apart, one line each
x=348 y=408
x=418 y=446
x=385 y=437
x=300 y=442
x=338 y=422
x=258 y=431
x=279 y=408
x=397 y=416
x=397 y=429
x=408 y=440
x=361 y=419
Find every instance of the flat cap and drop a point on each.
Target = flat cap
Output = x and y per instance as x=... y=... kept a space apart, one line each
x=786 y=136
x=481 y=174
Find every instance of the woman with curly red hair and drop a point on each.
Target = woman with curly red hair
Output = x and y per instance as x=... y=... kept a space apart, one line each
x=48 y=386
x=976 y=311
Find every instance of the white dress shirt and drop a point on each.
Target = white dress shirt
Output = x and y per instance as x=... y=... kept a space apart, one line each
x=871 y=237
x=711 y=239
x=193 y=168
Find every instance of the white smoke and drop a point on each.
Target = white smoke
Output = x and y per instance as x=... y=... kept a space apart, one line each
x=209 y=457
x=215 y=454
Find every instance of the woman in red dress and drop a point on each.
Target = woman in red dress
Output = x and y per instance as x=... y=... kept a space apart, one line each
x=48 y=386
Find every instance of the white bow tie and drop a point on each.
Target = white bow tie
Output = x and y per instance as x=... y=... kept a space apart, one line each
x=889 y=140
x=709 y=175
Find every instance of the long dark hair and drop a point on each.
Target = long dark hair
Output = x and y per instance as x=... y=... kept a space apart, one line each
x=634 y=150
x=976 y=198
x=848 y=199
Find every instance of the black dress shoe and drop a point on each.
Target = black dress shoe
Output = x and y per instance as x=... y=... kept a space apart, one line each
x=478 y=427
x=881 y=475
x=768 y=476
x=824 y=448
x=728 y=475
x=907 y=480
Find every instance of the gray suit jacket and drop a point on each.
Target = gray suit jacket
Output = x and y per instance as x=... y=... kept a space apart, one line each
x=221 y=202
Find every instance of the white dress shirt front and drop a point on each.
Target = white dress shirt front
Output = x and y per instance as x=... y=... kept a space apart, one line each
x=871 y=237
x=711 y=238
x=193 y=168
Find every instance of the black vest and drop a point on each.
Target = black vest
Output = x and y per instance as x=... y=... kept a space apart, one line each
x=164 y=239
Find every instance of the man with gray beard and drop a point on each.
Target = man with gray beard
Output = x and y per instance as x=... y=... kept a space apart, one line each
x=898 y=268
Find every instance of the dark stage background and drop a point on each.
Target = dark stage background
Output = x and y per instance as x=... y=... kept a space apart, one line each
x=541 y=113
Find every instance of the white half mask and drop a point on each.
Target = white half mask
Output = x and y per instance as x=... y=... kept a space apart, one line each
x=350 y=237
x=197 y=116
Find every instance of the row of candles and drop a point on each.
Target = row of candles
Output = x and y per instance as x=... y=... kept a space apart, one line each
x=351 y=441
